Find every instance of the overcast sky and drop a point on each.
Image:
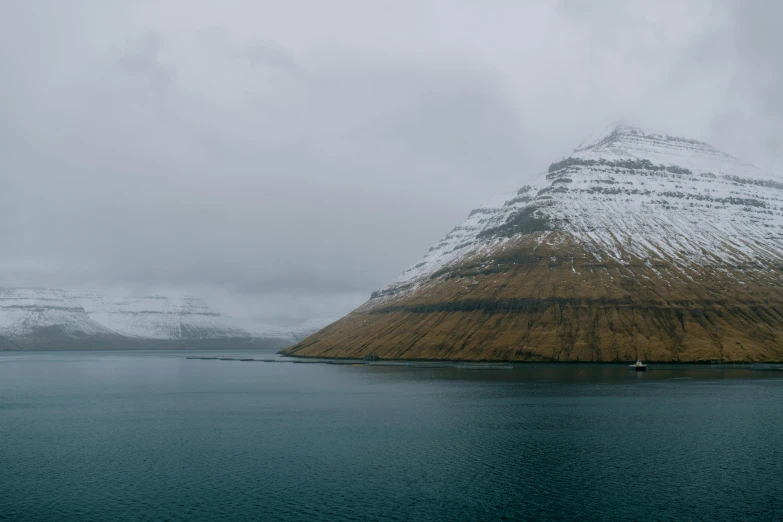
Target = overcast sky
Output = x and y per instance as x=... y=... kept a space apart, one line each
x=285 y=159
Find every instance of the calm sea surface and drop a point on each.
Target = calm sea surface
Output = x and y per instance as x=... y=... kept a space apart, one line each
x=154 y=436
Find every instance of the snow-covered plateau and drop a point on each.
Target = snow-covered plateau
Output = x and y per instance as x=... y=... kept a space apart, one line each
x=52 y=318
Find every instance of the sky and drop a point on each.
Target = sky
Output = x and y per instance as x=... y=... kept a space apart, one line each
x=282 y=160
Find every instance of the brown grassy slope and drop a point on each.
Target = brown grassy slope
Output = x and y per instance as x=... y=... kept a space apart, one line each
x=555 y=302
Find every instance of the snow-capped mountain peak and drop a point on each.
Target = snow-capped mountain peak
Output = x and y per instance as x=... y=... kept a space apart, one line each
x=660 y=148
x=629 y=191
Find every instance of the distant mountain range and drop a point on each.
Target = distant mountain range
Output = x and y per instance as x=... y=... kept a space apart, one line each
x=637 y=244
x=37 y=318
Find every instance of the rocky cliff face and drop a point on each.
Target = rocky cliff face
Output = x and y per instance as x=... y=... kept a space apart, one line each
x=638 y=244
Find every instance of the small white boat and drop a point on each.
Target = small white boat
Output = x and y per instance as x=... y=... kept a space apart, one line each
x=638 y=367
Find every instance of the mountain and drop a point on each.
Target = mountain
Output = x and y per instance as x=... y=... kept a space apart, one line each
x=638 y=244
x=186 y=320
x=37 y=318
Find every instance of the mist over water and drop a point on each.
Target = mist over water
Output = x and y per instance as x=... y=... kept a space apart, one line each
x=154 y=436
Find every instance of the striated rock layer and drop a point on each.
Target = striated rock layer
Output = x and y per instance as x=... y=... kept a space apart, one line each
x=638 y=244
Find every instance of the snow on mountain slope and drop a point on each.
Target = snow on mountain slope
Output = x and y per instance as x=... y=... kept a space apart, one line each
x=627 y=192
x=25 y=311
x=157 y=317
x=50 y=317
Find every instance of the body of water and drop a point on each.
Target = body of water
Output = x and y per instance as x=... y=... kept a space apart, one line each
x=155 y=436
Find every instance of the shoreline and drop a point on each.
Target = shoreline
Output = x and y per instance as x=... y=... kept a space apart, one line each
x=307 y=358
x=540 y=361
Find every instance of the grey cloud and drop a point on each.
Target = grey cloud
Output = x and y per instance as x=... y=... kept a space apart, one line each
x=163 y=197
x=141 y=62
x=250 y=153
x=259 y=51
x=754 y=39
x=270 y=54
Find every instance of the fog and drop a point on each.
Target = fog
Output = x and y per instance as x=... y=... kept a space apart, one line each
x=284 y=159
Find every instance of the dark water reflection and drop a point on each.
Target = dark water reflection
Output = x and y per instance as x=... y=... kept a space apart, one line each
x=154 y=436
